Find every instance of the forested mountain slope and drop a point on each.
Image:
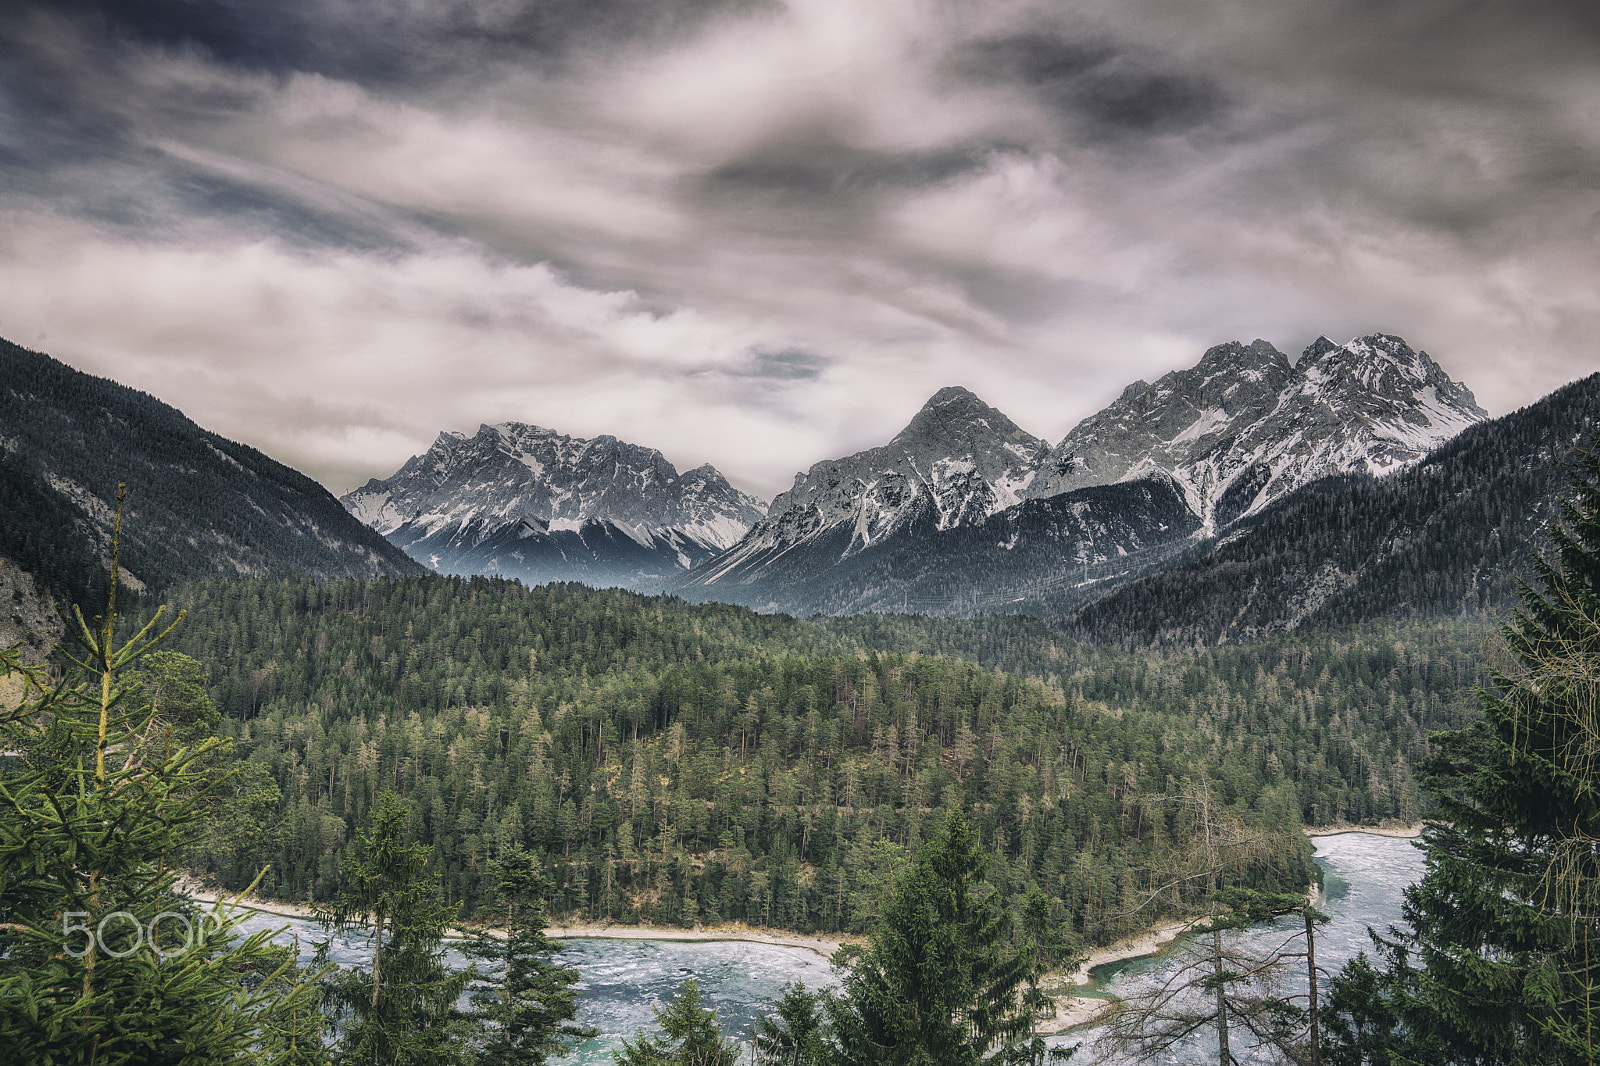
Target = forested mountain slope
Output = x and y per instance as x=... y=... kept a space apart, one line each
x=199 y=505
x=1448 y=537
x=678 y=763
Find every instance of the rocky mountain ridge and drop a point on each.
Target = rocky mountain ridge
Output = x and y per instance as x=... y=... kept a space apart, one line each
x=524 y=501
x=1244 y=427
x=956 y=462
x=1449 y=536
x=1240 y=429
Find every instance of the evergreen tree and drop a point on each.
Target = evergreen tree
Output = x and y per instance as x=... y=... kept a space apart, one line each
x=1500 y=964
x=402 y=1010
x=101 y=961
x=936 y=985
x=1049 y=946
x=173 y=685
x=795 y=1033
x=690 y=1036
x=530 y=1001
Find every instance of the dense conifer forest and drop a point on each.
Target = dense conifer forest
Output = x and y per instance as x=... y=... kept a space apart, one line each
x=682 y=764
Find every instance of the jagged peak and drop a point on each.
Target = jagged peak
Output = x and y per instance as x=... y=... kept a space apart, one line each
x=1316 y=350
x=518 y=431
x=1369 y=354
x=1236 y=355
x=1384 y=346
x=955 y=400
x=958 y=409
x=1385 y=341
x=1367 y=348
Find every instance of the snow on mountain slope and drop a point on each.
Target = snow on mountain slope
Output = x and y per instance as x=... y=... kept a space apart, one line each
x=958 y=461
x=1240 y=429
x=470 y=504
x=1243 y=427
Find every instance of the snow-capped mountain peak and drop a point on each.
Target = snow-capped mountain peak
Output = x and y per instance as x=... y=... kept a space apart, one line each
x=512 y=481
x=1188 y=455
x=1165 y=425
x=957 y=461
x=1387 y=367
x=1242 y=427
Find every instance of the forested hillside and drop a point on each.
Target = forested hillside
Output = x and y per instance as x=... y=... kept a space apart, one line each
x=1448 y=537
x=199 y=505
x=679 y=763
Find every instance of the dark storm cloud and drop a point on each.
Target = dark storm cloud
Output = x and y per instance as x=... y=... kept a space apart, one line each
x=790 y=364
x=827 y=170
x=334 y=227
x=402 y=42
x=1106 y=91
x=83 y=129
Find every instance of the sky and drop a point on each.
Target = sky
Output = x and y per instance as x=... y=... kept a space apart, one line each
x=763 y=234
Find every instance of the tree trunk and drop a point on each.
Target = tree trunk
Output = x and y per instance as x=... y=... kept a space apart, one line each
x=377 y=958
x=1311 y=973
x=1224 y=1056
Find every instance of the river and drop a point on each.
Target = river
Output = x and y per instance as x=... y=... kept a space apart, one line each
x=1363 y=877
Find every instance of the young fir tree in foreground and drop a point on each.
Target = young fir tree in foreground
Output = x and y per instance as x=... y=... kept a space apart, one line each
x=690 y=1035
x=1501 y=960
x=100 y=960
x=940 y=982
x=402 y=1009
x=795 y=1033
x=938 y=985
x=529 y=1003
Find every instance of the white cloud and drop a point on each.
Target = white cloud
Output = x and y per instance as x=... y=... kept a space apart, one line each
x=605 y=239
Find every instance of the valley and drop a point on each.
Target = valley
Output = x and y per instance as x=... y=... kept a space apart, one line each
x=1219 y=613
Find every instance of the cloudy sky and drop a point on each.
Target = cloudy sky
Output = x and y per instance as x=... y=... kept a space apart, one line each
x=762 y=234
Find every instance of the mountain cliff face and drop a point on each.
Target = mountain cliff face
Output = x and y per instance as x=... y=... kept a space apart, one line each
x=938 y=520
x=528 y=502
x=1002 y=563
x=1243 y=427
x=199 y=505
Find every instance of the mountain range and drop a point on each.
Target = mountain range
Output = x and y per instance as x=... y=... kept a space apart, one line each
x=1241 y=496
x=1242 y=427
x=1449 y=536
x=963 y=511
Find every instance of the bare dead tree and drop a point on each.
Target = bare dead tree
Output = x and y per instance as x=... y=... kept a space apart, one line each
x=1217 y=980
